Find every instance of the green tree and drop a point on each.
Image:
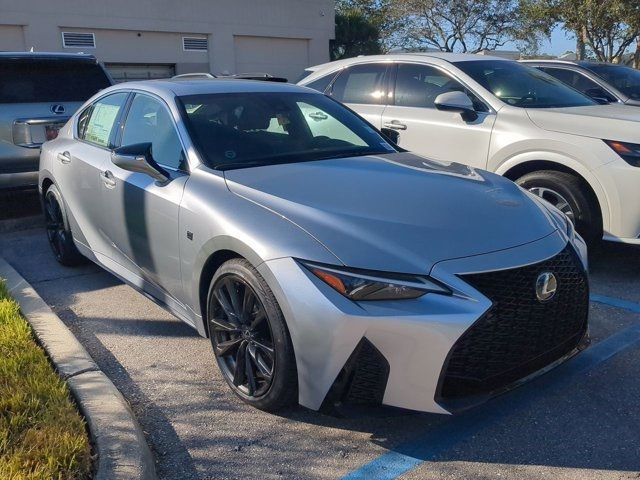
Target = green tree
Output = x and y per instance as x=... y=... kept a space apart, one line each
x=606 y=28
x=355 y=35
x=456 y=25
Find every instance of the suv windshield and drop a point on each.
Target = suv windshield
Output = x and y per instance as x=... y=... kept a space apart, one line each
x=522 y=86
x=239 y=130
x=49 y=80
x=625 y=79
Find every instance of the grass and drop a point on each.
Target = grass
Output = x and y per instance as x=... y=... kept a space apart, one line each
x=42 y=436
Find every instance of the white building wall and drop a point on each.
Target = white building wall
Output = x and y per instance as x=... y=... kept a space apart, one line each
x=150 y=31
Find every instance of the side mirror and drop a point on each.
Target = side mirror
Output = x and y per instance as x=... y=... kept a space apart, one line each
x=457 y=102
x=391 y=134
x=137 y=158
x=599 y=95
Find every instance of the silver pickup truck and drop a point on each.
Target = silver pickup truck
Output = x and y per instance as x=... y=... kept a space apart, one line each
x=38 y=94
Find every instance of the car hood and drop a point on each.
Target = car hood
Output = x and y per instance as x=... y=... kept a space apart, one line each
x=397 y=212
x=615 y=122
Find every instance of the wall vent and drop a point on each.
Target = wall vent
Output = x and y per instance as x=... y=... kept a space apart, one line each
x=78 y=40
x=195 y=44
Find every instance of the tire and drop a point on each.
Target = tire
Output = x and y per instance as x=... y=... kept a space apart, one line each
x=585 y=212
x=236 y=344
x=58 y=232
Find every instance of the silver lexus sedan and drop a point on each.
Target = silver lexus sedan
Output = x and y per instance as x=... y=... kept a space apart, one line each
x=327 y=266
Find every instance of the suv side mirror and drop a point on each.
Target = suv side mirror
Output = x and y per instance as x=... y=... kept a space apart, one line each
x=137 y=158
x=457 y=102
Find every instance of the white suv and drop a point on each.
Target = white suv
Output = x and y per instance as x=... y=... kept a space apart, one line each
x=508 y=118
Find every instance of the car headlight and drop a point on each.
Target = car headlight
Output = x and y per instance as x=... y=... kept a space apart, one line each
x=630 y=152
x=362 y=285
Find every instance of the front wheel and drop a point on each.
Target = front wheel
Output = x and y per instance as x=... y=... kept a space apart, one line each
x=568 y=194
x=250 y=338
x=58 y=232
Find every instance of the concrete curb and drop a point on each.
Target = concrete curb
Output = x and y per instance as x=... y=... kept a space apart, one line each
x=123 y=453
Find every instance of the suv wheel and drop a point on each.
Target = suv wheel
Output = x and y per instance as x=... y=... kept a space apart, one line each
x=58 y=232
x=568 y=194
x=250 y=338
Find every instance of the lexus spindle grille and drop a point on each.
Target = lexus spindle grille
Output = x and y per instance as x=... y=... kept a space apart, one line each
x=519 y=334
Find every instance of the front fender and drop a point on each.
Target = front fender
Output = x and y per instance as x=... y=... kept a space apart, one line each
x=563 y=162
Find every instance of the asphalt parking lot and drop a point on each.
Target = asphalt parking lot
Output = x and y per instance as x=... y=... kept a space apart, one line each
x=580 y=421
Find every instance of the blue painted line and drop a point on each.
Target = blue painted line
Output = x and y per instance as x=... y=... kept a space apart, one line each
x=616 y=302
x=444 y=436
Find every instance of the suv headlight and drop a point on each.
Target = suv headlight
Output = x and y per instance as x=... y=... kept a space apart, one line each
x=362 y=285
x=630 y=152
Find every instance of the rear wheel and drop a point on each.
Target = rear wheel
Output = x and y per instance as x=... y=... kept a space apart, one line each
x=568 y=194
x=58 y=232
x=249 y=337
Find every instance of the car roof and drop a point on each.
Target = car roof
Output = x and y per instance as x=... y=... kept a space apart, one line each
x=81 y=57
x=579 y=63
x=436 y=57
x=202 y=86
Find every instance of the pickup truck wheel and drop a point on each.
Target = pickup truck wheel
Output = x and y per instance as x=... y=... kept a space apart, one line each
x=568 y=194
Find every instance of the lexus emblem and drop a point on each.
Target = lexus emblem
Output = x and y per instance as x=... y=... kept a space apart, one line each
x=57 y=108
x=546 y=286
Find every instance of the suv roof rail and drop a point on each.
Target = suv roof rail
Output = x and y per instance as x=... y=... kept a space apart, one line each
x=193 y=75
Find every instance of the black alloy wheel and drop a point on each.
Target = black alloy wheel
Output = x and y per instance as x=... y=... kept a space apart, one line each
x=58 y=233
x=250 y=337
x=241 y=336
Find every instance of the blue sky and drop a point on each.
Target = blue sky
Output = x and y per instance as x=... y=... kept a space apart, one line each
x=560 y=42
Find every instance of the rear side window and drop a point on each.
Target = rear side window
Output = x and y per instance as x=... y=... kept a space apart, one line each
x=364 y=84
x=322 y=83
x=35 y=81
x=98 y=121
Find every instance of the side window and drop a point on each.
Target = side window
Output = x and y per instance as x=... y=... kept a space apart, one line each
x=322 y=83
x=420 y=85
x=83 y=119
x=362 y=84
x=149 y=121
x=100 y=118
x=578 y=81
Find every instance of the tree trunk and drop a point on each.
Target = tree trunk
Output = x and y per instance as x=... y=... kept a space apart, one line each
x=636 y=56
x=581 y=47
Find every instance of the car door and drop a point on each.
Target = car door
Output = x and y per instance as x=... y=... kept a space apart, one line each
x=79 y=165
x=364 y=88
x=143 y=228
x=439 y=135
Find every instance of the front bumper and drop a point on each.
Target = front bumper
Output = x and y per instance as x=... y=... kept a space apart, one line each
x=413 y=337
x=620 y=182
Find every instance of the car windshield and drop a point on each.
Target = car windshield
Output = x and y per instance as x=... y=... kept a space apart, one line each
x=625 y=79
x=522 y=86
x=240 y=130
x=50 y=80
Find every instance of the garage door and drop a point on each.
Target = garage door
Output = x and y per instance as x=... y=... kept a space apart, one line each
x=11 y=38
x=127 y=72
x=285 y=57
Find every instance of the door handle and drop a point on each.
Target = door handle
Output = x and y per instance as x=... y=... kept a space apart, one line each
x=395 y=125
x=318 y=116
x=108 y=179
x=64 y=157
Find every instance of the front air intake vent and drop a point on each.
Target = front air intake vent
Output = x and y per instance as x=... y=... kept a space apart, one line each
x=78 y=40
